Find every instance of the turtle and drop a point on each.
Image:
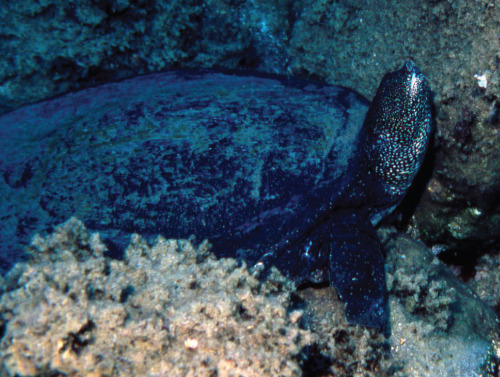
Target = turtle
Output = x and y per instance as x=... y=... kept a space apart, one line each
x=276 y=171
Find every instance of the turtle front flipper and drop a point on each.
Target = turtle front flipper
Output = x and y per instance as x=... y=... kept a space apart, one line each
x=344 y=249
x=356 y=268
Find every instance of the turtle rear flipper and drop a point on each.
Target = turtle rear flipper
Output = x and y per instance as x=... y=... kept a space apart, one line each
x=356 y=268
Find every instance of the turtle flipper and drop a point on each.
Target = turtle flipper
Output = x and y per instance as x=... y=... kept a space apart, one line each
x=356 y=268
x=344 y=249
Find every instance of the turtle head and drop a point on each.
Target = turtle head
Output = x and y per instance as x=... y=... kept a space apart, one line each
x=397 y=130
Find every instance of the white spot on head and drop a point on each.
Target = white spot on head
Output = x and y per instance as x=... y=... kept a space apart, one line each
x=414 y=84
x=482 y=80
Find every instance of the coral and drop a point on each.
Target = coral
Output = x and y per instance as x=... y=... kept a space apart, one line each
x=170 y=309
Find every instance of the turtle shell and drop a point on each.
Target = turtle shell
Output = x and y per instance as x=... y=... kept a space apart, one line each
x=245 y=161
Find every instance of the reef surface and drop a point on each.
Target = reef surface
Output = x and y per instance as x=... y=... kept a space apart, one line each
x=173 y=308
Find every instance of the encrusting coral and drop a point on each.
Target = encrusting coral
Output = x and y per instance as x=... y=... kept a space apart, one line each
x=167 y=309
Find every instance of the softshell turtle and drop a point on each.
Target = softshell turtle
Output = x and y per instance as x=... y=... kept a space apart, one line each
x=273 y=170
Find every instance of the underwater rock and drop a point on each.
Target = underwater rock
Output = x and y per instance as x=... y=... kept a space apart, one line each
x=435 y=313
x=486 y=281
x=55 y=46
